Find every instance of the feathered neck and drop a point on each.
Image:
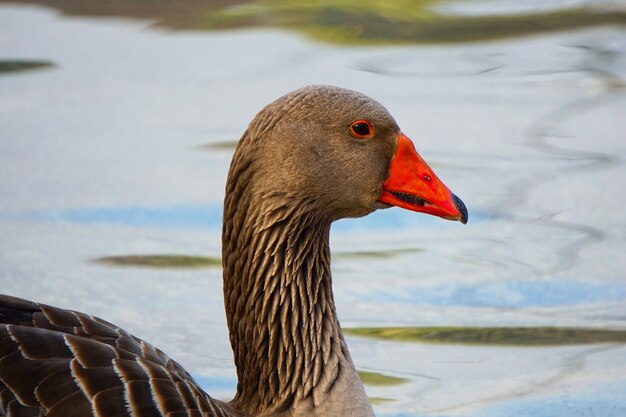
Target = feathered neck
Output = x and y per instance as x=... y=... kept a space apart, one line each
x=284 y=331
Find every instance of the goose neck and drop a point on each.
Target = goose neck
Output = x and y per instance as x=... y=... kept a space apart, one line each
x=284 y=331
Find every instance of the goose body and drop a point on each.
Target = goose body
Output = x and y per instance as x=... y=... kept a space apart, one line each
x=313 y=156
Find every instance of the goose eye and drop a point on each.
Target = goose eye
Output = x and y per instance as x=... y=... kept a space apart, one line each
x=362 y=129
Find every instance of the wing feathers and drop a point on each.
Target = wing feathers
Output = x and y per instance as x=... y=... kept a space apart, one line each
x=140 y=398
x=15 y=310
x=7 y=344
x=74 y=405
x=39 y=343
x=89 y=353
x=15 y=409
x=92 y=381
x=110 y=403
x=128 y=343
x=166 y=396
x=61 y=363
x=60 y=317
x=54 y=388
x=96 y=329
x=22 y=376
x=186 y=395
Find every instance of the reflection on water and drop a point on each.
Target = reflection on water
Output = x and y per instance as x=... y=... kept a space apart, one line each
x=381 y=21
x=371 y=22
x=507 y=294
x=22 y=65
x=177 y=216
x=600 y=63
x=602 y=400
x=187 y=261
x=503 y=336
x=120 y=156
x=161 y=261
x=379 y=379
x=224 y=145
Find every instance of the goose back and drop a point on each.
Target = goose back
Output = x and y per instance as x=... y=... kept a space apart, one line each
x=62 y=363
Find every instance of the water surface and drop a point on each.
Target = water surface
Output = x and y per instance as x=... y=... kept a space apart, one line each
x=117 y=131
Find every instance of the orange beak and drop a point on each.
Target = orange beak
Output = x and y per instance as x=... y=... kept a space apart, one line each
x=414 y=186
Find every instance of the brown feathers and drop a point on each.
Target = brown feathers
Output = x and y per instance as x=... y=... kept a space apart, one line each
x=63 y=363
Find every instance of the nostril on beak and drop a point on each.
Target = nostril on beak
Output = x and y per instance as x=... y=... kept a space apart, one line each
x=461 y=207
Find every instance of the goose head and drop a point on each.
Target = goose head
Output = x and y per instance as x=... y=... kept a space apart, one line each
x=343 y=152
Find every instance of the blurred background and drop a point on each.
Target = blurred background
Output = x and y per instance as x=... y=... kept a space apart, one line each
x=118 y=120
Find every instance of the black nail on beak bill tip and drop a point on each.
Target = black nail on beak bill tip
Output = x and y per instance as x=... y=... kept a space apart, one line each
x=461 y=207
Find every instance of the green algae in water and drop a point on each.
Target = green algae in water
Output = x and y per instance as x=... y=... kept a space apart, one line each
x=493 y=336
x=185 y=261
x=375 y=254
x=380 y=380
x=365 y=22
x=226 y=145
x=9 y=66
x=383 y=22
x=161 y=261
x=380 y=400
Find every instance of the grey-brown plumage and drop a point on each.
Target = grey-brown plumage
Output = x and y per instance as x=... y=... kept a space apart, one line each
x=57 y=362
x=297 y=168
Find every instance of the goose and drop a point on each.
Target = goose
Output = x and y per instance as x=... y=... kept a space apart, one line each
x=313 y=156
